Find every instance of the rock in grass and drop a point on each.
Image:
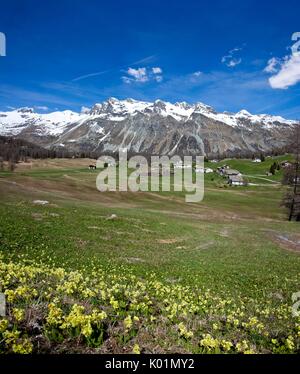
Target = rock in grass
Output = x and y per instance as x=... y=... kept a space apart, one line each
x=40 y=202
x=112 y=217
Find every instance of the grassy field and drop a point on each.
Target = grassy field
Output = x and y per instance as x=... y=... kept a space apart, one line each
x=159 y=276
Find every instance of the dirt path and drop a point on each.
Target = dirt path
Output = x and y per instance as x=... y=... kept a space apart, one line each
x=262 y=178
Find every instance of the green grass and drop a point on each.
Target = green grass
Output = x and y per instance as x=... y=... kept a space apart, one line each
x=162 y=234
x=227 y=243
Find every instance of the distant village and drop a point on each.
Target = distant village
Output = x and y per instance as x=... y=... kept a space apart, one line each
x=235 y=177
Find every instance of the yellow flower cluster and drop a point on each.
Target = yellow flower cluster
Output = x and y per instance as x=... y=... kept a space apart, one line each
x=184 y=332
x=93 y=304
x=21 y=292
x=55 y=315
x=13 y=342
x=209 y=342
x=75 y=319
x=254 y=325
x=18 y=314
x=128 y=322
x=243 y=347
x=214 y=345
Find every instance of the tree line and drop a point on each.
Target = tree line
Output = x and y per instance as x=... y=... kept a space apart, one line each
x=14 y=150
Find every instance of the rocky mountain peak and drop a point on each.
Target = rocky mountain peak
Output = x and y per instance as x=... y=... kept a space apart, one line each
x=243 y=113
x=156 y=127
x=25 y=110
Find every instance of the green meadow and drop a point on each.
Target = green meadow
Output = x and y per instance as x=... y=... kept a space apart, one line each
x=230 y=263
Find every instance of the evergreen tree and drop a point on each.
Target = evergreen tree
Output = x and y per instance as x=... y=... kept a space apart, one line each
x=273 y=168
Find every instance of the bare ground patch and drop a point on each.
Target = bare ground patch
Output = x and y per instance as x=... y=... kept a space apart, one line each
x=133 y=260
x=225 y=232
x=38 y=216
x=290 y=242
x=168 y=241
x=206 y=245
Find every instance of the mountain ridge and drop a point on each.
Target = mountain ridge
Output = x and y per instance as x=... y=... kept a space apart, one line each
x=157 y=127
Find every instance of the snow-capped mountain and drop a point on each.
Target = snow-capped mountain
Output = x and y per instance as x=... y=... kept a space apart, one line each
x=55 y=123
x=149 y=128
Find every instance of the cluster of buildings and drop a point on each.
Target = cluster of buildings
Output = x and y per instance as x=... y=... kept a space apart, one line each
x=285 y=164
x=234 y=177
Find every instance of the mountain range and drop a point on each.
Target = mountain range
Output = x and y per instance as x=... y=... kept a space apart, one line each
x=149 y=128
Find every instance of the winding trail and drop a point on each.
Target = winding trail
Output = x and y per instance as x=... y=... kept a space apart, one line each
x=262 y=178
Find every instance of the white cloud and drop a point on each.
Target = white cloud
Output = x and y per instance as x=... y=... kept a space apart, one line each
x=230 y=60
x=233 y=62
x=41 y=107
x=85 y=109
x=289 y=73
x=157 y=70
x=286 y=71
x=235 y=50
x=143 y=75
x=139 y=74
x=197 y=73
x=127 y=80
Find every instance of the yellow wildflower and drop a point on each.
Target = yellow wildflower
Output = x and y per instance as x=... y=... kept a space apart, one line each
x=23 y=347
x=136 y=349
x=127 y=322
x=18 y=314
x=3 y=325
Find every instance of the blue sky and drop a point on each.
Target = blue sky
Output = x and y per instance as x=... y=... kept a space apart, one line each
x=232 y=55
